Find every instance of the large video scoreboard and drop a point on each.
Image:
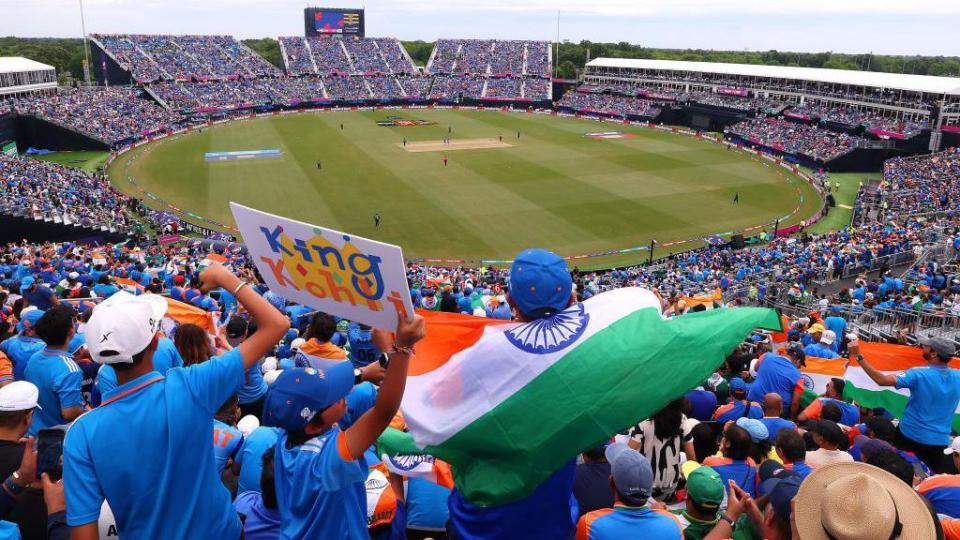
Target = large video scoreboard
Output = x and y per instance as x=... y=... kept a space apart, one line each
x=333 y=21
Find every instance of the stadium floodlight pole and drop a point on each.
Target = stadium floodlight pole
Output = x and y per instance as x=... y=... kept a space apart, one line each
x=86 y=48
x=556 y=55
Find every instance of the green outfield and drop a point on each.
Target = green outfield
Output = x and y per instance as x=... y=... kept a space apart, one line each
x=553 y=186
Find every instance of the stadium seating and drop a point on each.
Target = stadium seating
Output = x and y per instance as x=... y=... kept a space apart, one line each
x=608 y=104
x=157 y=57
x=110 y=115
x=793 y=138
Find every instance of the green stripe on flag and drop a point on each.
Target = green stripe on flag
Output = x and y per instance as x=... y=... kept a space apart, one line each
x=616 y=378
x=893 y=402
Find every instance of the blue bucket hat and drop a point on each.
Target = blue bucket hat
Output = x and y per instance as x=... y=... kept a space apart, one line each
x=299 y=394
x=540 y=283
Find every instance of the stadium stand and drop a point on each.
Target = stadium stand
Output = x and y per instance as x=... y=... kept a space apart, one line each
x=818 y=144
x=111 y=115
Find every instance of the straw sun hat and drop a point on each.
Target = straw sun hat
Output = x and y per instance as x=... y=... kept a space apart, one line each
x=854 y=501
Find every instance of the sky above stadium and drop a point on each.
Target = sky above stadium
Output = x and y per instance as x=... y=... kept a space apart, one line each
x=882 y=26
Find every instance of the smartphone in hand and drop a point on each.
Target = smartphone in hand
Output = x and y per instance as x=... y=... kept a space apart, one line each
x=50 y=453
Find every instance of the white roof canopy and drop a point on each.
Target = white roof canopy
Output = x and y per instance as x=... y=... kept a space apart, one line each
x=17 y=64
x=872 y=79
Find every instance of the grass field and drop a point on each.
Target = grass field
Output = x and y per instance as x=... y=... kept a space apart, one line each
x=87 y=160
x=552 y=187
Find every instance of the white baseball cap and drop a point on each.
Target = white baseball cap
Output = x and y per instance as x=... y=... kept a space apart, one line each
x=247 y=424
x=123 y=326
x=954 y=447
x=18 y=396
x=828 y=337
x=297 y=343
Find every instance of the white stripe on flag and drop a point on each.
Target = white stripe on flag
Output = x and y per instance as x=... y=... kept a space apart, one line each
x=440 y=403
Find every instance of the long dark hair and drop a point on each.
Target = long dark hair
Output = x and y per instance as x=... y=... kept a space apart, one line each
x=668 y=421
x=193 y=344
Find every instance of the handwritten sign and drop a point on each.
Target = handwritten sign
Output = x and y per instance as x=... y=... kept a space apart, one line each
x=335 y=272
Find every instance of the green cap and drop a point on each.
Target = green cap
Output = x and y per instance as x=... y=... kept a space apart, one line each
x=705 y=487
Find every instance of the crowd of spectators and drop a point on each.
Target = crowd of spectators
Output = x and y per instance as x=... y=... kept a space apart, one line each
x=456 y=86
x=109 y=114
x=774 y=86
x=156 y=57
x=926 y=184
x=296 y=56
x=735 y=102
x=51 y=192
x=852 y=117
x=503 y=87
x=747 y=453
x=490 y=57
x=609 y=104
x=799 y=139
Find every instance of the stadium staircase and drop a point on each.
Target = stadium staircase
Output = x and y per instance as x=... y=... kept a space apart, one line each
x=346 y=53
x=156 y=97
x=433 y=54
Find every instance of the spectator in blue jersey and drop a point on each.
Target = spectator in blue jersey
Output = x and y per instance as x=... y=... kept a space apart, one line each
x=823 y=348
x=426 y=509
x=927 y=418
x=702 y=404
x=55 y=373
x=772 y=410
x=250 y=457
x=320 y=468
x=105 y=287
x=591 y=485
x=254 y=390
x=735 y=463
x=738 y=407
x=849 y=413
x=20 y=348
x=362 y=349
x=227 y=439
x=760 y=444
x=37 y=295
x=258 y=508
x=943 y=490
x=164 y=358
x=782 y=375
x=792 y=451
x=836 y=324
x=540 y=286
x=103 y=462
x=631 y=480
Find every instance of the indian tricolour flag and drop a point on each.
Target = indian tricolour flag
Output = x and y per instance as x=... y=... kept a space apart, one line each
x=859 y=387
x=506 y=404
x=212 y=258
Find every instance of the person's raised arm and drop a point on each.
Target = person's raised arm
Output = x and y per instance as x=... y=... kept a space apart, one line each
x=271 y=324
x=368 y=427
x=879 y=377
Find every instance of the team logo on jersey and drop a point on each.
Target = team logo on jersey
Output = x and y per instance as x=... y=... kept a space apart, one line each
x=550 y=334
x=306 y=413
